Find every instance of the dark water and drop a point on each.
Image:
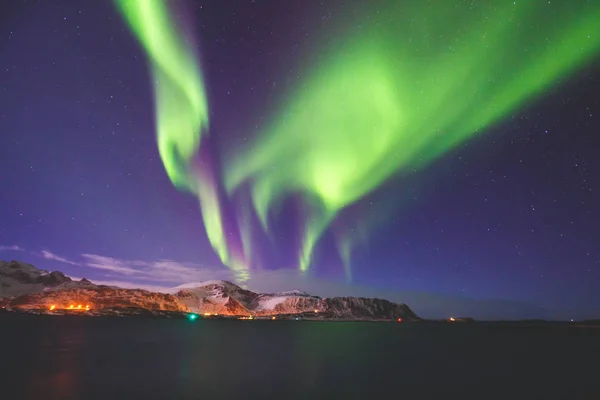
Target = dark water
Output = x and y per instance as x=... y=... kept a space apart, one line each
x=110 y=358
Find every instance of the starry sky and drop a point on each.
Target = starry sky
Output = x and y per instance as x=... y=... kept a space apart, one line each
x=501 y=223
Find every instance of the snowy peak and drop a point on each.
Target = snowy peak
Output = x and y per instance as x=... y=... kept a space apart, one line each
x=22 y=272
x=218 y=283
x=18 y=278
x=223 y=297
x=217 y=297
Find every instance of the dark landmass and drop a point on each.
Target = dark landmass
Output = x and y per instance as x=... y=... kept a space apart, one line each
x=128 y=312
x=26 y=289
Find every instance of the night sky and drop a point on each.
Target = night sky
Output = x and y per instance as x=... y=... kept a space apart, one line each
x=510 y=213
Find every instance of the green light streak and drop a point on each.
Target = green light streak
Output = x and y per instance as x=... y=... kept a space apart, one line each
x=181 y=111
x=406 y=88
x=413 y=81
x=181 y=106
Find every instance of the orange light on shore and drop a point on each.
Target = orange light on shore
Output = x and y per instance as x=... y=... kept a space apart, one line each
x=316 y=311
x=452 y=319
x=273 y=318
x=207 y=314
x=79 y=307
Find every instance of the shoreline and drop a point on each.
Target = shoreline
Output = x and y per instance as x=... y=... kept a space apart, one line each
x=305 y=317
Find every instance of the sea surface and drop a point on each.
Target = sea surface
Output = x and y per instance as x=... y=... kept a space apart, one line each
x=70 y=357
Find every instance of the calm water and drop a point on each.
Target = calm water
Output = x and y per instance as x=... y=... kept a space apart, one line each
x=131 y=358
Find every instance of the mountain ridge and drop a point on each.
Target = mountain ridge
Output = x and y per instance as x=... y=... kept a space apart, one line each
x=26 y=288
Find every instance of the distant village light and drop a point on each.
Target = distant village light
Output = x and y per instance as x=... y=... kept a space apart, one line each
x=79 y=307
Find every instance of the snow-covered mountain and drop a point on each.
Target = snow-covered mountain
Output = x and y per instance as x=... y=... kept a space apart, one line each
x=223 y=297
x=18 y=278
x=28 y=288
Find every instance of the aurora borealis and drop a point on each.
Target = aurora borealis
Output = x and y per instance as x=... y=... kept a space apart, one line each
x=181 y=108
x=391 y=97
x=435 y=146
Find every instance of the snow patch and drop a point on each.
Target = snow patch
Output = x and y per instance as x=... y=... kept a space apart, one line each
x=270 y=303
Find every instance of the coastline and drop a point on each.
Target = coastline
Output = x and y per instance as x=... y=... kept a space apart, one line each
x=132 y=312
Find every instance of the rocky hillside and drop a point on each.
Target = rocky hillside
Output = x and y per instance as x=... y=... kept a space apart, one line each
x=20 y=278
x=359 y=308
x=98 y=297
x=224 y=297
x=27 y=288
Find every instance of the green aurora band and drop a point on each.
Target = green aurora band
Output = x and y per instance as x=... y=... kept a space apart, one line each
x=404 y=89
x=181 y=112
x=409 y=84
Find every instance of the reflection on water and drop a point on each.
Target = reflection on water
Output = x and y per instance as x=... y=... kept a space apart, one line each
x=54 y=363
x=130 y=358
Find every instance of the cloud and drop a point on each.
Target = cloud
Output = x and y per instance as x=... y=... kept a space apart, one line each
x=108 y=264
x=11 y=248
x=169 y=275
x=51 y=256
x=165 y=271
